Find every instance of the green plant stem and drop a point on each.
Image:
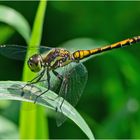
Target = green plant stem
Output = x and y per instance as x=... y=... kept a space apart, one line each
x=33 y=123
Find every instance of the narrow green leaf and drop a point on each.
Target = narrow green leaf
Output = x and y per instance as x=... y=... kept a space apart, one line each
x=13 y=89
x=16 y=20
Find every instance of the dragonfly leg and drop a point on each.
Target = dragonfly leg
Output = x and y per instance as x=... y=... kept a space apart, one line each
x=56 y=109
x=48 y=80
x=37 y=78
x=30 y=83
x=66 y=84
x=59 y=76
x=64 y=80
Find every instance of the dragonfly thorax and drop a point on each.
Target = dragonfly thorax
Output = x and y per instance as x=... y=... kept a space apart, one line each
x=35 y=63
x=56 y=58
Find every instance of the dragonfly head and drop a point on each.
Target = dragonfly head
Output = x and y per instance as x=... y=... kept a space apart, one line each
x=35 y=63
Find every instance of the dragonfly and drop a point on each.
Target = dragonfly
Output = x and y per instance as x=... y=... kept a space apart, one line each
x=51 y=59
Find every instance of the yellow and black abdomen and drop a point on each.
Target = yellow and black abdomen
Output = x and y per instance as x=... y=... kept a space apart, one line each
x=81 y=54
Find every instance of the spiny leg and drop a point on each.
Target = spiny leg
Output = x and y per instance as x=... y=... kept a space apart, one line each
x=30 y=83
x=64 y=81
x=60 y=77
x=64 y=94
x=38 y=77
x=48 y=80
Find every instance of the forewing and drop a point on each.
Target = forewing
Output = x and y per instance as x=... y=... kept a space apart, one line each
x=13 y=51
x=18 y=52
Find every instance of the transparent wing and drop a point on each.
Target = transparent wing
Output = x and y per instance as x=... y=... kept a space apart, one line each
x=19 y=52
x=73 y=84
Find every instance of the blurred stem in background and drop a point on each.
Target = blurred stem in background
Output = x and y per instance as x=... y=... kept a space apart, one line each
x=33 y=123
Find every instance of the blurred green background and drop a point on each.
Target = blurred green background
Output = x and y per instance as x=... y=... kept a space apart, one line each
x=111 y=101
